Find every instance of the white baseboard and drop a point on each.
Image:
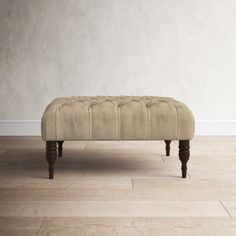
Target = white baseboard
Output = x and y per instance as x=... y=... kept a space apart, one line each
x=29 y=127
x=215 y=127
x=16 y=127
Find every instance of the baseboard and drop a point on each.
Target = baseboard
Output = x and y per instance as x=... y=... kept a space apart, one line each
x=20 y=127
x=215 y=127
x=29 y=127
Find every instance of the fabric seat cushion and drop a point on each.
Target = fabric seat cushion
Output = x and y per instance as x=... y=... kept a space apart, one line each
x=117 y=118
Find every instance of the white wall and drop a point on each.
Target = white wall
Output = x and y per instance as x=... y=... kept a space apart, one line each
x=180 y=48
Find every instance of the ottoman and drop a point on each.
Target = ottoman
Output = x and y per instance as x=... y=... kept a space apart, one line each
x=116 y=118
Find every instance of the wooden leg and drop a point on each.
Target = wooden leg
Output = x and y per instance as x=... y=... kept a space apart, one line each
x=60 y=148
x=167 y=147
x=184 y=155
x=51 y=156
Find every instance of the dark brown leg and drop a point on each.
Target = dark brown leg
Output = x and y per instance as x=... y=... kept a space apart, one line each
x=60 y=148
x=167 y=147
x=51 y=156
x=184 y=155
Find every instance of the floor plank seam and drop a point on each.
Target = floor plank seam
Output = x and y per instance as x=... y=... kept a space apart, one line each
x=39 y=230
x=163 y=159
x=221 y=203
x=189 y=176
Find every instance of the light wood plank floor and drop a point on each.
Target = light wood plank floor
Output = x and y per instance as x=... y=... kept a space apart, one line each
x=118 y=188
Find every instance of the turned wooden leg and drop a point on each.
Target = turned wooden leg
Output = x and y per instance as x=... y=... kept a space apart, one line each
x=60 y=148
x=184 y=155
x=51 y=156
x=167 y=147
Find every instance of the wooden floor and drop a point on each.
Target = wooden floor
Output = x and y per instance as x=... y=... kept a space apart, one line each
x=118 y=188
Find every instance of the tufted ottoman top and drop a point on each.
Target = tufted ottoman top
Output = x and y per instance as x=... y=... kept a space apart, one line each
x=117 y=118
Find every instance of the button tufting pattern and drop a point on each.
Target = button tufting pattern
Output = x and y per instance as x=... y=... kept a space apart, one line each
x=117 y=118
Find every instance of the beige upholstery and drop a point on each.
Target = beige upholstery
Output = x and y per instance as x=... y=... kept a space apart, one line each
x=117 y=118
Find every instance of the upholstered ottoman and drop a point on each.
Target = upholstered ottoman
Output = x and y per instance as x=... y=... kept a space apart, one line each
x=117 y=118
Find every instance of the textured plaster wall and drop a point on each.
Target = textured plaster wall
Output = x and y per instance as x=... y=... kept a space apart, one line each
x=180 y=48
